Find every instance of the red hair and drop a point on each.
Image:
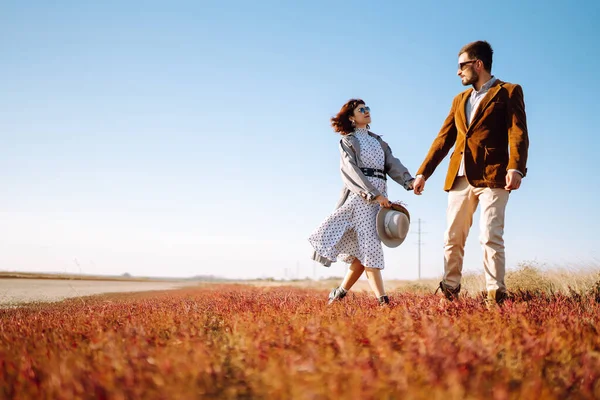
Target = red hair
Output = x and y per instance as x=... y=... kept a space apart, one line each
x=341 y=122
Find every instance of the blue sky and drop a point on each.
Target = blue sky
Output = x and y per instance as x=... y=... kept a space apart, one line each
x=192 y=138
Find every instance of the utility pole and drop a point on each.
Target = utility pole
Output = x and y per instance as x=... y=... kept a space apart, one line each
x=419 y=244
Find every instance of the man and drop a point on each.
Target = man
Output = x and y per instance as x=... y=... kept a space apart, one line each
x=487 y=127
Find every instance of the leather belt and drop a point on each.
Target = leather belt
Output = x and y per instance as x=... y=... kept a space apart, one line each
x=377 y=173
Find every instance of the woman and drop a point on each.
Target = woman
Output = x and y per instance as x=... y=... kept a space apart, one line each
x=349 y=234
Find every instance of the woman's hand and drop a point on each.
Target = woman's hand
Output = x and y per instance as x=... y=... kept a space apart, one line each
x=383 y=201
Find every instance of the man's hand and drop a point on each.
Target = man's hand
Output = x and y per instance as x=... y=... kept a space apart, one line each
x=419 y=185
x=383 y=201
x=513 y=180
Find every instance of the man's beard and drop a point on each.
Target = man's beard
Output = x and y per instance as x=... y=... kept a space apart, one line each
x=474 y=78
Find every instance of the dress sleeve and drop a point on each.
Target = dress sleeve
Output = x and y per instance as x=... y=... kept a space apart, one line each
x=395 y=169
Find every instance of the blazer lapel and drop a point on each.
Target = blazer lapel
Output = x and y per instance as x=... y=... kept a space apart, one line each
x=489 y=96
x=462 y=115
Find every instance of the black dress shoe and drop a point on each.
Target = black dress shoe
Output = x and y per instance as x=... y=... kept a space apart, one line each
x=450 y=293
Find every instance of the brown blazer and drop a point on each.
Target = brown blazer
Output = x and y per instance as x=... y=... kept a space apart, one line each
x=495 y=142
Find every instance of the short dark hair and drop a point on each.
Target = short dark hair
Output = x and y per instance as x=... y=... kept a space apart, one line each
x=480 y=50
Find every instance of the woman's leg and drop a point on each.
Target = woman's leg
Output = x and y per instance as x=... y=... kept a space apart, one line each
x=376 y=281
x=354 y=272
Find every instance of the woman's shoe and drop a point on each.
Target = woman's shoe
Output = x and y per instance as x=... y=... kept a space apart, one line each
x=383 y=300
x=337 y=294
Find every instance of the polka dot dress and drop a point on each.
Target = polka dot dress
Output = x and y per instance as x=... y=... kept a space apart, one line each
x=350 y=231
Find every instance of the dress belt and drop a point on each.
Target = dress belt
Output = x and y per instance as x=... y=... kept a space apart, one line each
x=377 y=173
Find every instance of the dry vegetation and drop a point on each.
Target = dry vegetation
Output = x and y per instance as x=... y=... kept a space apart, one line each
x=527 y=277
x=242 y=341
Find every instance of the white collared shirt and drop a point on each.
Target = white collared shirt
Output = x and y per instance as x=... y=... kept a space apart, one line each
x=471 y=108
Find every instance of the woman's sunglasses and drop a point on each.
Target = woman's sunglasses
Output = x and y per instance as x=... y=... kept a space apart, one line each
x=364 y=110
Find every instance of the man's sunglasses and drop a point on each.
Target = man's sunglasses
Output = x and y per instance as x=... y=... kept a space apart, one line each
x=462 y=65
x=364 y=110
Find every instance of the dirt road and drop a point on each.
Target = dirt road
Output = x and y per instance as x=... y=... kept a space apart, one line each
x=19 y=291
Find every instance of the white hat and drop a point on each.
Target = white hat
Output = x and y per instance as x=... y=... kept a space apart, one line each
x=393 y=224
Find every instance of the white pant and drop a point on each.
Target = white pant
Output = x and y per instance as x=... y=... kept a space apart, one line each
x=462 y=203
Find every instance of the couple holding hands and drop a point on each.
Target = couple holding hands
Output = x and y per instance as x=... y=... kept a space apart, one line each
x=488 y=130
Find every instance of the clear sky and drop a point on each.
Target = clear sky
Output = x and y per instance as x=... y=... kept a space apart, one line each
x=188 y=138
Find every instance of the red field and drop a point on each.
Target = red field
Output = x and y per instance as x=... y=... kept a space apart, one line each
x=247 y=342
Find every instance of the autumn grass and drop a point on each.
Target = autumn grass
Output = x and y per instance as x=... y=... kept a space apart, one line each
x=527 y=277
x=535 y=278
x=245 y=342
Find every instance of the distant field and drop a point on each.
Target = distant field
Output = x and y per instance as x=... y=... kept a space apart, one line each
x=16 y=292
x=248 y=342
x=38 y=275
x=524 y=278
